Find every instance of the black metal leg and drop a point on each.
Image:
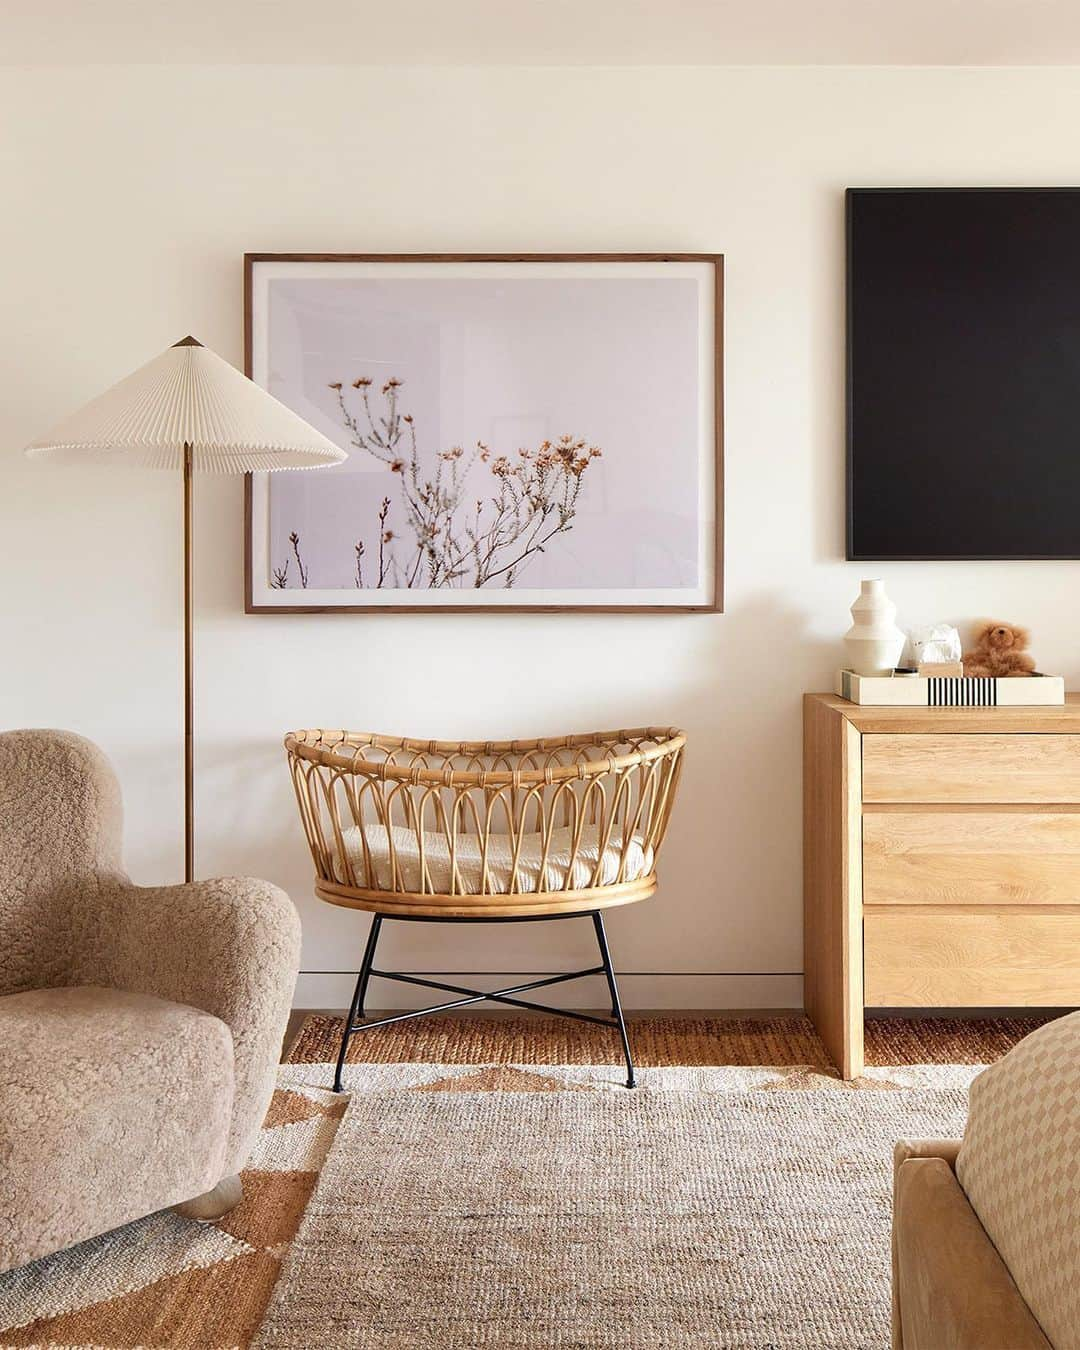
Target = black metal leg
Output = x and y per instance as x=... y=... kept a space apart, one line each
x=356 y=1008
x=354 y=1022
x=613 y=990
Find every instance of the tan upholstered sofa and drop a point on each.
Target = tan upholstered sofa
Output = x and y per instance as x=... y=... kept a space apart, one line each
x=986 y=1232
x=140 y=1026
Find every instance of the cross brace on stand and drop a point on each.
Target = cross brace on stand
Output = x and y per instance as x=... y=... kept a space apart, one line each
x=354 y=1022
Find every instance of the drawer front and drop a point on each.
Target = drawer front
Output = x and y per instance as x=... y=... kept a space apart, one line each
x=971 y=858
x=922 y=958
x=979 y=768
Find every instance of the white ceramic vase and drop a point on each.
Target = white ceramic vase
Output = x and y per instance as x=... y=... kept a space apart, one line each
x=874 y=643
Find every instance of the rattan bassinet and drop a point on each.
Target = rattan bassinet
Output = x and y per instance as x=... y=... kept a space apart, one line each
x=485 y=829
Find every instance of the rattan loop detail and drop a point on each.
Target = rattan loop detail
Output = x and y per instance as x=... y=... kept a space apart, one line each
x=485 y=828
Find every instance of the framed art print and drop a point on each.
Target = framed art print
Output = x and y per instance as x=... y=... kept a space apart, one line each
x=523 y=432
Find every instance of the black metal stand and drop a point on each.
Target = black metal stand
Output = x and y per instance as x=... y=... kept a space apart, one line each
x=354 y=1022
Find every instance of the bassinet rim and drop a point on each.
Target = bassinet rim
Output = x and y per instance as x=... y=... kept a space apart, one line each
x=667 y=740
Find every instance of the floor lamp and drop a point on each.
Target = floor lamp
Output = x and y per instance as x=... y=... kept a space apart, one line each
x=188 y=410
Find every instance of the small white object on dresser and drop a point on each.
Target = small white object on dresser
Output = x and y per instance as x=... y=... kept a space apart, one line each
x=874 y=643
x=936 y=644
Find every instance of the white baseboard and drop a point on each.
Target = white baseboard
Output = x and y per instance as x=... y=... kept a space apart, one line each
x=316 y=989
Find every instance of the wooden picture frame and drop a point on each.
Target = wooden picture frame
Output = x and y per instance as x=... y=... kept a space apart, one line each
x=705 y=460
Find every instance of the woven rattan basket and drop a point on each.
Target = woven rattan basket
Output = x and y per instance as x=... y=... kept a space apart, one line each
x=497 y=828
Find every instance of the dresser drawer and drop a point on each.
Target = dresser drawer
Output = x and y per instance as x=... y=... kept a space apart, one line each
x=972 y=857
x=976 y=768
x=969 y=958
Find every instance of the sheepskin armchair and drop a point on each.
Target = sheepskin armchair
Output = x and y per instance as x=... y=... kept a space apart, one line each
x=141 y=1025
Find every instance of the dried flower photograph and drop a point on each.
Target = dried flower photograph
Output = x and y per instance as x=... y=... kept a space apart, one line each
x=519 y=434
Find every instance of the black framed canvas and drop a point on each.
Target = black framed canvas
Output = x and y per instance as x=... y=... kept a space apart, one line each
x=963 y=373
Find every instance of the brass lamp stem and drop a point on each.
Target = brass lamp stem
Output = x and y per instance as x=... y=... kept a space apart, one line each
x=189 y=745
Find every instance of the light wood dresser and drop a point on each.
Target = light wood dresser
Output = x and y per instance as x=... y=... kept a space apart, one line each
x=941 y=861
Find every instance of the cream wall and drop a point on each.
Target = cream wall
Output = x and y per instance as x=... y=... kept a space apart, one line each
x=131 y=194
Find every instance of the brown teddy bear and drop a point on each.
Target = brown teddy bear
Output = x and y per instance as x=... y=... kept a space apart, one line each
x=999 y=650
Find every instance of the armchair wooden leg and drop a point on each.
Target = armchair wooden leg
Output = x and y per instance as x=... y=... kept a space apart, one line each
x=215 y=1204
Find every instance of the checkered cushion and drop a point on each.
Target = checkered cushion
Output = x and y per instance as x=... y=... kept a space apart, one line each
x=1020 y=1167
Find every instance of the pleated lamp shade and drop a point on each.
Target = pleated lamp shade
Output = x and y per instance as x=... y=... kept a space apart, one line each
x=188 y=395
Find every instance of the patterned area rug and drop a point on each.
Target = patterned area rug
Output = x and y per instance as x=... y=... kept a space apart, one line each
x=445 y=1092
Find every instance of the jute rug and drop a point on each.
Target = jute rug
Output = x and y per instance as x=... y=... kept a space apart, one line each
x=494 y=1186
x=520 y=1207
